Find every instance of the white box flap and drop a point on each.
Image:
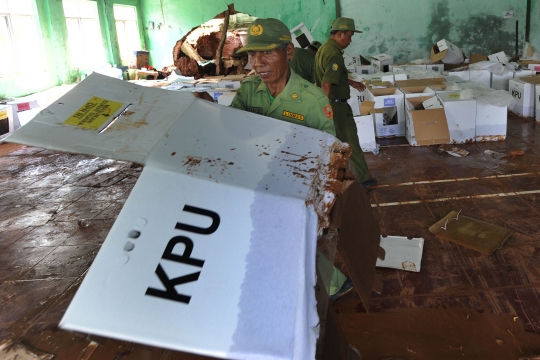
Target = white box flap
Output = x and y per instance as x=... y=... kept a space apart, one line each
x=382 y=57
x=128 y=138
x=500 y=57
x=432 y=103
x=225 y=195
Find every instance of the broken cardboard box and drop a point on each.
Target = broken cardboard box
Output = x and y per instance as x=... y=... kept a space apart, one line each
x=425 y=126
x=446 y=52
x=189 y=263
x=471 y=233
x=382 y=62
x=389 y=110
x=366 y=127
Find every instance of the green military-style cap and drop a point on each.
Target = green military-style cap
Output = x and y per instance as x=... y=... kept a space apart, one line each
x=266 y=34
x=344 y=24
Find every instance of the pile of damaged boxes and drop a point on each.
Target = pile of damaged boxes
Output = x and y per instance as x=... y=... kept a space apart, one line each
x=221 y=88
x=449 y=100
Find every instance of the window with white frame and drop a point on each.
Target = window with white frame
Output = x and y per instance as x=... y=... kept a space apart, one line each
x=127 y=31
x=20 y=41
x=85 y=44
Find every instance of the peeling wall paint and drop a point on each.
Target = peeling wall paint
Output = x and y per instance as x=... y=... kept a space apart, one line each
x=180 y=16
x=535 y=24
x=407 y=29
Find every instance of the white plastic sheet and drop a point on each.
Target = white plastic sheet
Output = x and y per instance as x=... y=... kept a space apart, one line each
x=494 y=67
x=417 y=73
x=484 y=94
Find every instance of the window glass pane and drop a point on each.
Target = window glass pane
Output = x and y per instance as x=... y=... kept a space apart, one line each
x=125 y=12
x=71 y=8
x=133 y=40
x=74 y=41
x=84 y=34
x=93 y=44
x=6 y=59
x=127 y=31
x=88 y=9
x=21 y=7
x=121 y=34
x=3 y=7
x=27 y=43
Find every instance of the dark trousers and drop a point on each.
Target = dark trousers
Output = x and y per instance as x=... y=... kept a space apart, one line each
x=346 y=131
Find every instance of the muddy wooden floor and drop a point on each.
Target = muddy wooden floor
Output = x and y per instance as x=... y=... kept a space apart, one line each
x=56 y=210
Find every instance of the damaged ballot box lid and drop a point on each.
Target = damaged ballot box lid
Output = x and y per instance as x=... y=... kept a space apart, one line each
x=446 y=52
x=214 y=250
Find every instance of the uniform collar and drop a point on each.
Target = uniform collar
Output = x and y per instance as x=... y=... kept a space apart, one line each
x=335 y=44
x=291 y=92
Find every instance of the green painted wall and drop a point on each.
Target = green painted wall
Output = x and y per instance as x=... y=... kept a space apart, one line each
x=535 y=24
x=180 y=16
x=407 y=29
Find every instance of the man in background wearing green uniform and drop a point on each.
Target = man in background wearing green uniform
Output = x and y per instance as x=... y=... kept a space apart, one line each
x=332 y=76
x=303 y=61
x=277 y=91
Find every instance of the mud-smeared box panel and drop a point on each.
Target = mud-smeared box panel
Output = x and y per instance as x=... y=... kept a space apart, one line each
x=225 y=195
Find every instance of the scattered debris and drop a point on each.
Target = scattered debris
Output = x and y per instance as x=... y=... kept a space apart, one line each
x=401 y=253
x=513 y=153
x=10 y=351
x=488 y=152
x=85 y=222
x=471 y=233
x=29 y=219
x=203 y=51
x=452 y=150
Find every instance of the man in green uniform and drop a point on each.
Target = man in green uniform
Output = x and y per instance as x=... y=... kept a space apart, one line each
x=303 y=61
x=332 y=76
x=277 y=91
x=280 y=93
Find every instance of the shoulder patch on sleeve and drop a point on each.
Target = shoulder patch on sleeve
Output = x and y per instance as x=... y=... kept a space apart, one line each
x=328 y=111
x=335 y=66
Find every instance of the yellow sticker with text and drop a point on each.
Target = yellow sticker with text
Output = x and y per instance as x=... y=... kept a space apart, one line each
x=453 y=96
x=94 y=113
x=3 y=114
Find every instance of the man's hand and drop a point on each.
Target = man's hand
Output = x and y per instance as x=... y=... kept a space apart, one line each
x=326 y=87
x=357 y=85
x=203 y=95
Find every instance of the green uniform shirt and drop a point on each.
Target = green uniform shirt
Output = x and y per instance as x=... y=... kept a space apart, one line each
x=303 y=63
x=299 y=103
x=330 y=68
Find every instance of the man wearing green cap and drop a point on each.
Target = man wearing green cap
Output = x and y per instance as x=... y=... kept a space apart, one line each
x=280 y=93
x=277 y=91
x=303 y=61
x=332 y=76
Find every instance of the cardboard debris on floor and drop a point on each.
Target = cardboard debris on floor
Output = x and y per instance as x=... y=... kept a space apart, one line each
x=402 y=253
x=514 y=153
x=18 y=351
x=452 y=150
x=471 y=233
